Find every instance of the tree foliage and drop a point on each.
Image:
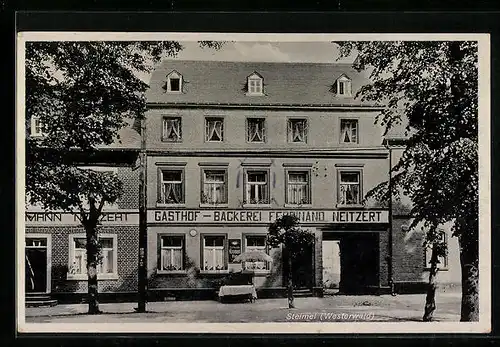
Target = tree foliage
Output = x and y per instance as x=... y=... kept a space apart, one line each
x=83 y=93
x=286 y=231
x=433 y=87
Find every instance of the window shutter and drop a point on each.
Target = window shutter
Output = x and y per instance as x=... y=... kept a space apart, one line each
x=158 y=185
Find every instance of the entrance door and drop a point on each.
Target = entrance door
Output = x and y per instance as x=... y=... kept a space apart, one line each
x=302 y=269
x=36 y=263
x=331 y=264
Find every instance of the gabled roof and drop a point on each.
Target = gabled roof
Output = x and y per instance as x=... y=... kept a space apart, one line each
x=222 y=82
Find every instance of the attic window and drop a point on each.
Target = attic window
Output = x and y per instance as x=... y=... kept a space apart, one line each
x=254 y=84
x=174 y=82
x=343 y=85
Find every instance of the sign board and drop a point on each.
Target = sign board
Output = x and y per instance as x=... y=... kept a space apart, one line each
x=32 y=218
x=234 y=249
x=266 y=216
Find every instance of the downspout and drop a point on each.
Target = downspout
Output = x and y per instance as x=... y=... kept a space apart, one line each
x=390 y=229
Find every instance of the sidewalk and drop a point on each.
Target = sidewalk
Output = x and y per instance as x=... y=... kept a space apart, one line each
x=329 y=308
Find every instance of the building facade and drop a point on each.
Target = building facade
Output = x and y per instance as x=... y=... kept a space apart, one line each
x=232 y=146
x=55 y=253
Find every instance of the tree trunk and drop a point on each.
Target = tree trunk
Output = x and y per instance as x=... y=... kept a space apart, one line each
x=290 y=281
x=469 y=261
x=430 y=299
x=92 y=252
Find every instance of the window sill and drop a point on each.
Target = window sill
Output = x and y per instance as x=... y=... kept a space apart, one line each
x=214 y=272
x=174 y=272
x=170 y=205
x=256 y=205
x=171 y=141
x=298 y=205
x=214 y=205
x=84 y=277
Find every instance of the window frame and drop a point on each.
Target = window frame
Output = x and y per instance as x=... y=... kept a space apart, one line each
x=267 y=171
x=159 y=248
x=442 y=266
x=357 y=170
x=222 y=119
x=247 y=129
x=225 y=254
x=290 y=120
x=159 y=199
x=71 y=256
x=202 y=186
x=163 y=124
x=267 y=250
x=346 y=86
x=174 y=75
x=341 y=140
x=255 y=77
x=288 y=170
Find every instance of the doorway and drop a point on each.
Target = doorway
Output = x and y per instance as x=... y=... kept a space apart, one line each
x=331 y=264
x=37 y=264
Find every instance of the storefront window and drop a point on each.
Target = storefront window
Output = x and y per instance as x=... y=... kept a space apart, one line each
x=172 y=251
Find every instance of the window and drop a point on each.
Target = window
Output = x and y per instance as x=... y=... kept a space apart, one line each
x=297 y=130
x=214 y=253
x=349 y=188
x=256 y=243
x=443 y=261
x=256 y=131
x=174 y=82
x=254 y=84
x=214 y=129
x=172 y=129
x=171 y=253
x=343 y=86
x=106 y=267
x=298 y=188
x=36 y=127
x=257 y=187
x=214 y=187
x=172 y=187
x=348 y=131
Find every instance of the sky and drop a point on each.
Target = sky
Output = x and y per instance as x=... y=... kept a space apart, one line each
x=263 y=51
x=318 y=52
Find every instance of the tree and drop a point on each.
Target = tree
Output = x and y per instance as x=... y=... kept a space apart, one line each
x=286 y=231
x=83 y=93
x=434 y=85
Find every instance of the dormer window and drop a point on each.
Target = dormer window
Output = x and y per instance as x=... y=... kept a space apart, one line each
x=254 y=84
x=343 y=86
x=174 y=82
